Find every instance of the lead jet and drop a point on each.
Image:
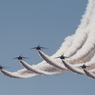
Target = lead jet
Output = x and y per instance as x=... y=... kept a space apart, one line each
x=38 y=48
x=20 y=57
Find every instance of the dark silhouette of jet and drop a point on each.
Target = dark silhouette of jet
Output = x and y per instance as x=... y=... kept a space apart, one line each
x=38 y=47
x=62 y=57
x=20 y=57
x=84 y=66
x=1 y=67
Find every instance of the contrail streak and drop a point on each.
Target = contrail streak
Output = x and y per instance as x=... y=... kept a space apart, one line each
x=70 y=47
x=38 y=71
x=74 y=68
x=18 y=75
x=89 y=74
x=79 y=47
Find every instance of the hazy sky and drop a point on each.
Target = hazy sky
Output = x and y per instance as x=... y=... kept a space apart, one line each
x=25 y=24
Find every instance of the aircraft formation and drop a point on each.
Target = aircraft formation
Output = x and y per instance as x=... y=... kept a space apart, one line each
x=76 y=54
x=37 y=72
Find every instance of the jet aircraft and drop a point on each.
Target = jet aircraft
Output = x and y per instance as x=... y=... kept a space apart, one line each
x=20 y=57
x=62 y=57
x=1 y=67
x=38 y=47
x=84 y=66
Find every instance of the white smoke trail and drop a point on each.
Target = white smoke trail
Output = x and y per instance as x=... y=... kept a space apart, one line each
x=92 y=71
x=76 y=68
x=37 y=70
x=91 y=63
x=82 y=31
x=73 y=45
x=88 y=57
x=89 y=74
x=19 y=74
x=86 y=49
x=34 y=69
x=80 y=38
x=65 y=45
x=51 y=61
x=73 y=68
x=86 y=17
x=59 y=65
x=82 y=34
